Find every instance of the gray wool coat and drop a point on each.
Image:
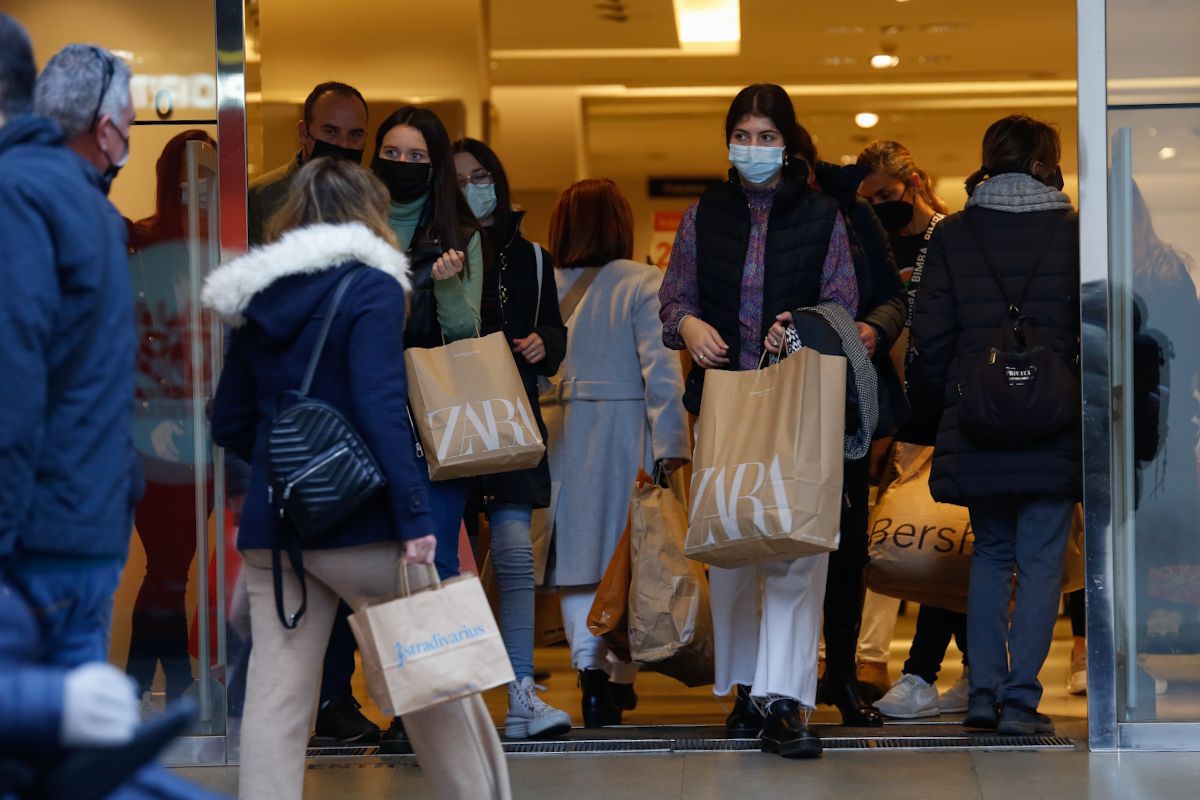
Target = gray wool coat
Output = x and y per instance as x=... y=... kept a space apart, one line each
x=619 y=409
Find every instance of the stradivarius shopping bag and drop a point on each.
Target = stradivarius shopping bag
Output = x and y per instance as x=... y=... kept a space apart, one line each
x=470 y=409
x=431 y=646
x=767 y=470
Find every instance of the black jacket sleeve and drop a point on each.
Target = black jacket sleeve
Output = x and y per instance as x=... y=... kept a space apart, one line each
x=935 y=323
x=887 y=307
x=550 y=323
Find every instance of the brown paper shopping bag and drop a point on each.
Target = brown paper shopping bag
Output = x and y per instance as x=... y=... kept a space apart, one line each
x=430 y=647
x=609 y=615
x=670 y=617
x=767 y=470
x=921 y=550
x=470 y=409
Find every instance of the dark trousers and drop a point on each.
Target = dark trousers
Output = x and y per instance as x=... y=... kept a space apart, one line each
x=447 y=500
x=1031 y=534
x=845 y=588
x=935 y=626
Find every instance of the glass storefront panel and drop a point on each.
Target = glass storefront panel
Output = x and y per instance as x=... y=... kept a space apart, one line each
x=1152 y=53
x=169 y=611
x=1155 y=176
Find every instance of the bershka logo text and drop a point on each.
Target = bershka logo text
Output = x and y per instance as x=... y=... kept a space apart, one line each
x=487 y=424
x=723 y=491
x=939 y=538
x=439 y=641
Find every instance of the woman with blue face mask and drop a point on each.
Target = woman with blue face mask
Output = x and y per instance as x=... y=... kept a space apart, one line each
x=520 y=298
x=750 y=252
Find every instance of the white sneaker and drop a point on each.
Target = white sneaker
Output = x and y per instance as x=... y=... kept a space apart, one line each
x=1077 y=679
x=529 y=717
x=909 y=698
x=956 y=699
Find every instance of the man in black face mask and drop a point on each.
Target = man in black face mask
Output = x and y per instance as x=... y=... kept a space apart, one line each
x=334 y=125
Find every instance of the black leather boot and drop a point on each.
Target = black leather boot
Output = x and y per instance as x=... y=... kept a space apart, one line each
x=785 y=732
x=745 y=721
x=841 y=690
x=622 y=695
x=598 y=708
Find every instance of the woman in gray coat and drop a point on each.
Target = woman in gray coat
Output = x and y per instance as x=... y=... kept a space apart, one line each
x=620 y=391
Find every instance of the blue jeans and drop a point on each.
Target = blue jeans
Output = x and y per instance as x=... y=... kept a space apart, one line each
x=512 y=559
x=72 y=600
x=1031 y=534
x=448 y=501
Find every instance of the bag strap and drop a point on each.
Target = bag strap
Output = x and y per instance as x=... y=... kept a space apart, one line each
x=1014 y=309
x=577 y=291
x=296 y=557
x=537 y=257
x=330 y=313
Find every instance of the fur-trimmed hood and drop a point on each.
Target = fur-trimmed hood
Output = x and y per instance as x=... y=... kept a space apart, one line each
x=309 y=251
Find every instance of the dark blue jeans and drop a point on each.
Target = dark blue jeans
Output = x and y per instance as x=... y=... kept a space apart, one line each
x=1030 y=534
x=72 y=602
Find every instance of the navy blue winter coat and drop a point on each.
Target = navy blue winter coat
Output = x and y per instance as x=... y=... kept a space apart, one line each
x=275 y=297
x=69 y=476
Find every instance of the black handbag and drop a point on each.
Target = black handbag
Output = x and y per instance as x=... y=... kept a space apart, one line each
x=1021 y=391
x=319 y=469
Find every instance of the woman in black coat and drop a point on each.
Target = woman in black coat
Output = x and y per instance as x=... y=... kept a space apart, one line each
x=520 y=298
x=1021 y=496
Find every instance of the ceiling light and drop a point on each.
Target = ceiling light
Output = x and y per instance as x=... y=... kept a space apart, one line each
x=839 y=61
x=884 y=61
x=943 y=27
x=844 y=30
x=710 y=25
x=1166 y=154
x=866 y=119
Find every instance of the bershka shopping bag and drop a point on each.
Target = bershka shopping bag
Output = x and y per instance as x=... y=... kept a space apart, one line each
x=470 y=409
x=921 y=550
x=431 y=646
x=767 y=469
x=670 y=616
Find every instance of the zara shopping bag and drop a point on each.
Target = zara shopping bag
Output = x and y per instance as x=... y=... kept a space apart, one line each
x=767 y=470
x=470 y=409
x=430 y=646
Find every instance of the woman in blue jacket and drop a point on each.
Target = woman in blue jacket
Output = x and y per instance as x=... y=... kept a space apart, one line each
x=333 y=221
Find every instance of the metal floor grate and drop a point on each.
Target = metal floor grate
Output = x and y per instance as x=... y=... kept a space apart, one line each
x=686 y=739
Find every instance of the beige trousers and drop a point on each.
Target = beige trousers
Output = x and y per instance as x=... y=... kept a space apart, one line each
x=456 y=743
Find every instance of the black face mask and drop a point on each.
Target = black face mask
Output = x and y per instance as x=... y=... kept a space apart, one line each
x=114 y=167
x=405 y=181
x=323 y=148
x=1055 y=181
x=894 y=214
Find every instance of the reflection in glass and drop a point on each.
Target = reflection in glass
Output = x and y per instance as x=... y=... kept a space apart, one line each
x=169 y=252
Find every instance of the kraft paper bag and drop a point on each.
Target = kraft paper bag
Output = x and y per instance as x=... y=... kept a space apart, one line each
x=609 y=615
x=470 y=409
x=670 y=616
x=430 y=647
x=921 y=550
x=767 y=470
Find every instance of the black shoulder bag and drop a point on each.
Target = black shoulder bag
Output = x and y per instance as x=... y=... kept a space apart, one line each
x=1021 y=391
x=319 y=469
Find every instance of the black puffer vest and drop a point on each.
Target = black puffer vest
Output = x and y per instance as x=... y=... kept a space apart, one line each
x=798 y=233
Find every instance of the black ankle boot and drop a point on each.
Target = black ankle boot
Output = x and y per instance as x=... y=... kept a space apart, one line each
x=598 y=708
x=622 y=695
x=745 y=721
x=841 y=690
x=785 y=732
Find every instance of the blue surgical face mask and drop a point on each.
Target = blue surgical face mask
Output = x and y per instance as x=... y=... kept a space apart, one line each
x=757 y=165
x=481 y=199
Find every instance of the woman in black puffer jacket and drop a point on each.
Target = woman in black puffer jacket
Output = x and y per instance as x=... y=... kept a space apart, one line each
x=1021 y=498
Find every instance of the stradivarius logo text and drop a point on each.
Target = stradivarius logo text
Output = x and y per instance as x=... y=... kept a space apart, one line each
x=439 y=641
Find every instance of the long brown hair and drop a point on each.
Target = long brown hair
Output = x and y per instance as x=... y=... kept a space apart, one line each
x=895 y=161
x=592 y=224
x=1014 y=144
x=332 y=191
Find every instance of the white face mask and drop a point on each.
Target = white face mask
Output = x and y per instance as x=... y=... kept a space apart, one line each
x=481 y=199
x=757 y=165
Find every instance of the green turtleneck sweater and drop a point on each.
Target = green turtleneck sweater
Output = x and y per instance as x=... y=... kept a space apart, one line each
x=458 y=299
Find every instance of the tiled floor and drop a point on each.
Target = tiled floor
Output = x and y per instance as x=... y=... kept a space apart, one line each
x=867 y=775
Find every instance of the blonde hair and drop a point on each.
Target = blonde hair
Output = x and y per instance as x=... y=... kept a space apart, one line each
x=894 y=160
x=333 y=191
